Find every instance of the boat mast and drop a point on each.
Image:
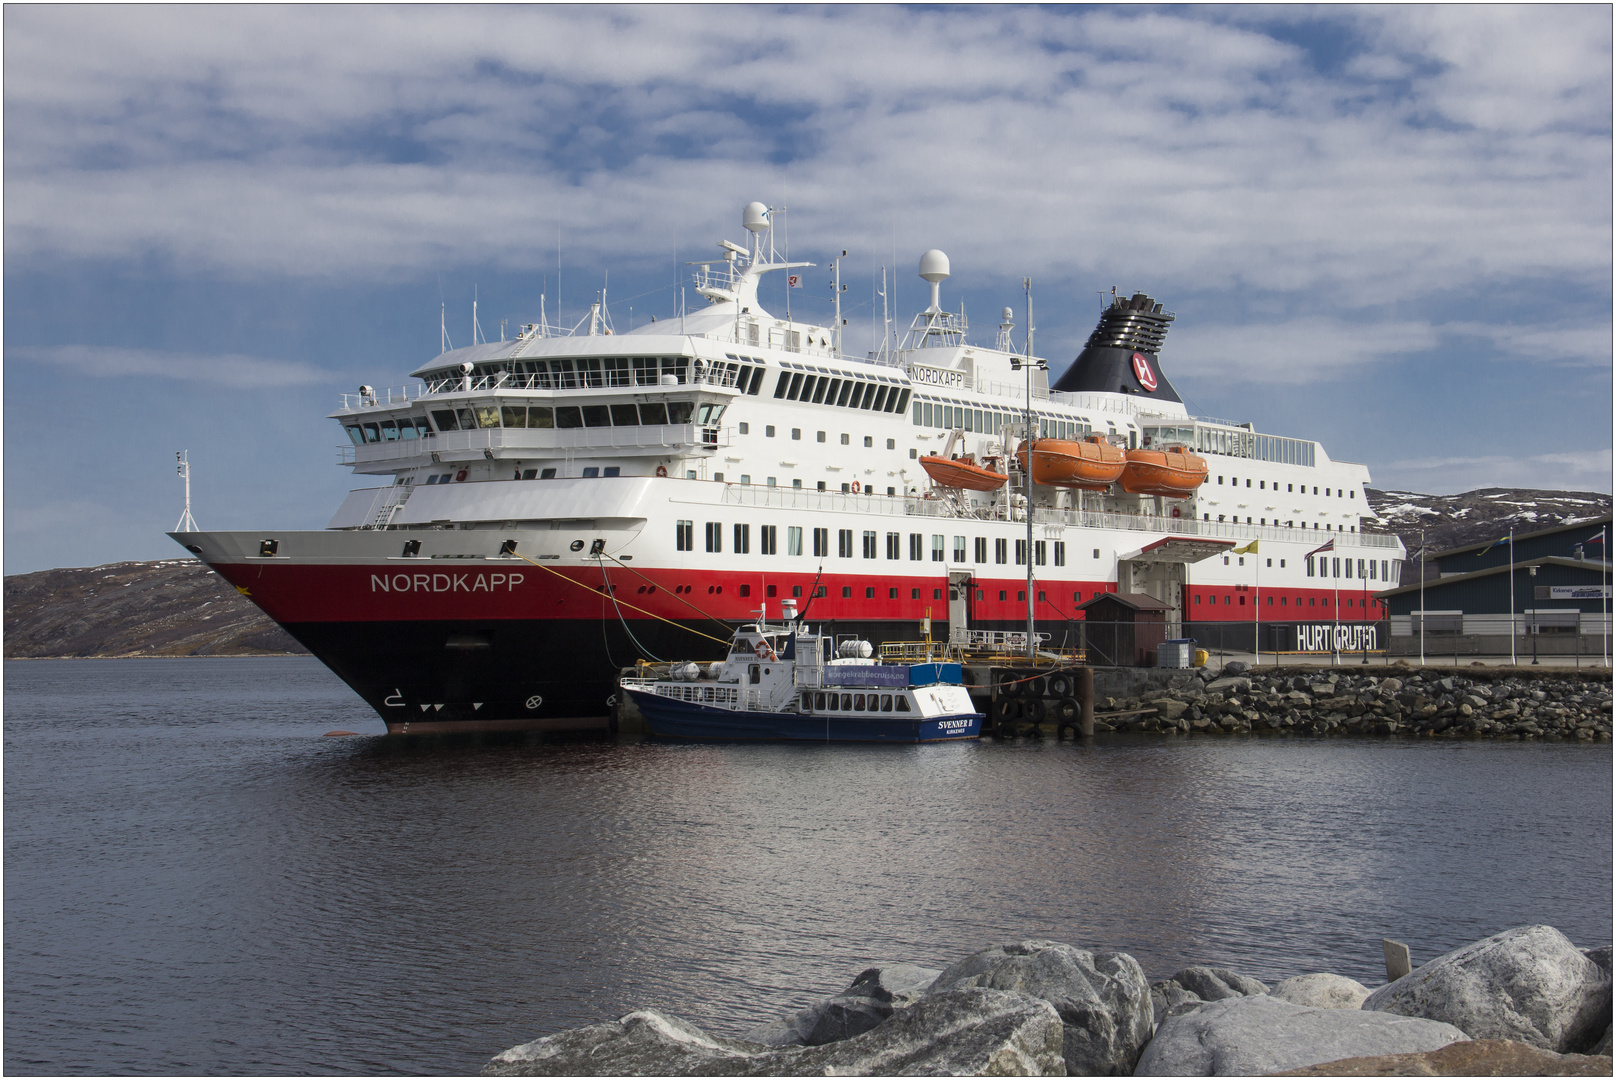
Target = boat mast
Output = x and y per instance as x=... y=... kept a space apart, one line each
x=1028 y=364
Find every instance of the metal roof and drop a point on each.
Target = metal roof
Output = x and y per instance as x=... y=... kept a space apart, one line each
x=1589 y=523
x=1454 y=579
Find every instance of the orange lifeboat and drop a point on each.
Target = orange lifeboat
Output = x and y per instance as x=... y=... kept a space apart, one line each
x=962 y=472
x=1173 y=472
x=1092 y=464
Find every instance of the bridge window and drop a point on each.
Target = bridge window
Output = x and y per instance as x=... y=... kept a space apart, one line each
x=652 y=412
x=569 y=416
x=597 y=416
x=680 y=412
x=625 y=415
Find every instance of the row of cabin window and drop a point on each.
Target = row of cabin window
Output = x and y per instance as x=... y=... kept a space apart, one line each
x=848 y=393
x=1284 y=601
x=992 y=421
x=471 y=418
x=1330 y=567
x=820 y=701
x=1263 y=484
x=1291 y=524
x=868 y=546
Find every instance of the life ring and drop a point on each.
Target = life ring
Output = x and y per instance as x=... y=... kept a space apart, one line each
x=856 y=488
x=460 y=476
x=1175 y=511
x=662 y=470
x=763 y=651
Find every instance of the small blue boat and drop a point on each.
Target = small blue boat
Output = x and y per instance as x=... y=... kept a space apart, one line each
x=787 y=682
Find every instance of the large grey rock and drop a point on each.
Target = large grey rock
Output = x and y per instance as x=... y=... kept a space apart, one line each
x=1479 y=1057
x=1167 y=998
x=869 y=1000
x=644 y=1043
x=1244 y=1036
x=1102 y=998
x=969 y=1032
x=1321 y=991
x=1529 y=984
x=1215 y=984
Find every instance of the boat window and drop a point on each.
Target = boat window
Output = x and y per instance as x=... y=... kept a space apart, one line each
x=444 y=419
x=858 y=702
x=591 y=472
x=389 y=431
x=847 y=702
x=488 y=416
x=869 y=396
x=807 y=701
x=468 y=421
x=886 y=702
x=755 y=673
x=589 y=371
x=881 y=398
x=528 y=474
x=833 y=703
x=355 y=434
x=547 y=474
x=819 y=700
x=597 y=416
x=514 y=416
x=680 y=412
x=568 y=416
x=613 y=470
x=538 y=417
x=653 y=412
x=407 y=427
x=372 y=434
x=625 y=415
x=562 y=374
x=848 y=385
x=903 y=703
x=796 y=387
x=433 y=479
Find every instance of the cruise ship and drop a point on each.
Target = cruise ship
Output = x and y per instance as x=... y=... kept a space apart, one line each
x=541 y=512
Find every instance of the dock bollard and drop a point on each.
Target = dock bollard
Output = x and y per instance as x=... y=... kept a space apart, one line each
x=1085 y=699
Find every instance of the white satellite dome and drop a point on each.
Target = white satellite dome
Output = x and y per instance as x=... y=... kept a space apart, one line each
x=755 y=217
x=934 y=266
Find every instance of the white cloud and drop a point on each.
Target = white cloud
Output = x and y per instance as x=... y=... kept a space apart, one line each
x=1297 y=351
x=1586 y=470
x=1080 y=144
x=110 y=362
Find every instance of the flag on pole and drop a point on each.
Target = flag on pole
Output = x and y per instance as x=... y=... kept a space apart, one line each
x=1596 y=538
x=794 y=281
x=1500 y=542
x=1328 y=545
x=1249 y=549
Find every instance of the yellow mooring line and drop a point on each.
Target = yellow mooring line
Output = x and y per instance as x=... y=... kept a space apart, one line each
x=615 y=600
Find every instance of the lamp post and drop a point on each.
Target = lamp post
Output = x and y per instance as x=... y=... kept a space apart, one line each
x=1027 y=365
x=1532 y=571
x=1422 y=598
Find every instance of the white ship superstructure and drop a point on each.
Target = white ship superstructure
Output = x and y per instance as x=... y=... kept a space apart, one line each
x=617 y=483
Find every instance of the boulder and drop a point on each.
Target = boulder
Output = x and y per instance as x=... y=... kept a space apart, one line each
x=1102 y=998
x=1167 y=998
x=1215 y=984
x=1244 y=1036
x=1321 y=991
x=1235 y=667
x=644 y=1043
x=1168 y=709
x=870 y=999
x=969 y=1032
x=1600 y=956
x=1229 y=684
x=1529 y=984
x=1480 y=1057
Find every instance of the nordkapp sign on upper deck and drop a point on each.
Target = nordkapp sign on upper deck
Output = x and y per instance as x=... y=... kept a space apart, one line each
x=936 y=376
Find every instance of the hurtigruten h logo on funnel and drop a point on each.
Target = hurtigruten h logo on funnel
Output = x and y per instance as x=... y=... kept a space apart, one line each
x=1142 y=372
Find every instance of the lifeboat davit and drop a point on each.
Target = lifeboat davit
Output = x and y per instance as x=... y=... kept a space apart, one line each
x=1173 y=472
x=1092 y=464
x=963 y=472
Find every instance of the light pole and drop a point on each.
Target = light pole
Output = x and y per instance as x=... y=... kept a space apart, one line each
x=1532 y=571
x=1028 y=365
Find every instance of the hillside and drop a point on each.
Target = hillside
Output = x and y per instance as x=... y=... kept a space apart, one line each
x=1452 y=521
x=178 y=607
x=173 y=607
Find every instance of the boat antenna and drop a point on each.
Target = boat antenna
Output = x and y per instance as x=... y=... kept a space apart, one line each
x=476 y=327
x=187 y=522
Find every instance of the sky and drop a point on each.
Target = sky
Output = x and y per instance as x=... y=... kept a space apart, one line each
x=1386 y=228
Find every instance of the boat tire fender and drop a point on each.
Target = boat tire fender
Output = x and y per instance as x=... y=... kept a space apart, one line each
x=1006 y=708
x=1008 y=686
x=1034 y=710
x=1067 y=711
x=1006 y=729
x=1033 y=688
x=1060 y=685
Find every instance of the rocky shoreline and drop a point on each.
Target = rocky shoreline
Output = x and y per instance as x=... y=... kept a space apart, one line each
x=1522 y=1002
x=1498 y=703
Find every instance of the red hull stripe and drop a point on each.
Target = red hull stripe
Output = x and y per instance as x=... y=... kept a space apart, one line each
x=324 y=592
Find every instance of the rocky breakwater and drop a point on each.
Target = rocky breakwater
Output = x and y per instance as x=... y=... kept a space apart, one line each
x=1334 y=701
x=1523 y=1001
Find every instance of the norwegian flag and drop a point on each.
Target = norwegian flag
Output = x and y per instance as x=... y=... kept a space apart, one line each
x=794 y=281
x=1329 y=545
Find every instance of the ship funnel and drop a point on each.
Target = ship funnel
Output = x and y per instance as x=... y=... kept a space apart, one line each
x=934 y=268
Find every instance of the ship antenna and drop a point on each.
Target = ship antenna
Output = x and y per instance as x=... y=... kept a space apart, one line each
x=187 y=523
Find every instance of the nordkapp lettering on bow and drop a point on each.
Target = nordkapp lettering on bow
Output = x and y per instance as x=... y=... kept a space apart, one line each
x=467 y=582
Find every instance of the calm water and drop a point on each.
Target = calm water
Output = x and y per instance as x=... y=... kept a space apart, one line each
x=197 y=882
